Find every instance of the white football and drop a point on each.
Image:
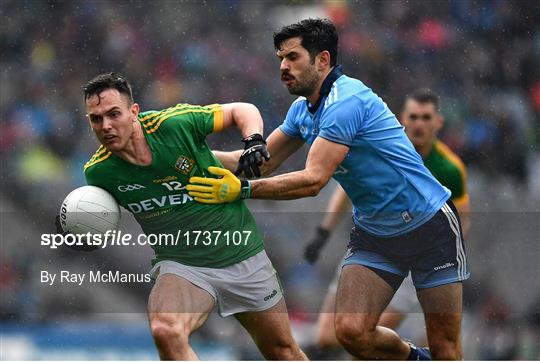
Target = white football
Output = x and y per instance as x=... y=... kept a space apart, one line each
x=89 y=209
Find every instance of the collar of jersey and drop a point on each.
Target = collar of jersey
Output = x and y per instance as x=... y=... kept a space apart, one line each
x=326 y=87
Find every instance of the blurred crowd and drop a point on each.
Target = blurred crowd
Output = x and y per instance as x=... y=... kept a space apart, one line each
x=482 y=57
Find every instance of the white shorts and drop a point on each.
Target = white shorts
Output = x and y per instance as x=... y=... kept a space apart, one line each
x=249 y=286
x=404 y=301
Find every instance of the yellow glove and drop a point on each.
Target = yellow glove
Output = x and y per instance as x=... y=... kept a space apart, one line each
x=228 y=188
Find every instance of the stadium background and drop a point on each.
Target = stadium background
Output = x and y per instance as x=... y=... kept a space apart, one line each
x=482 y=57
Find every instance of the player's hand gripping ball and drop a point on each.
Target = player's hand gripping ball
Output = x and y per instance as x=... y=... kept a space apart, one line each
x=252 y=158
x=228 y=188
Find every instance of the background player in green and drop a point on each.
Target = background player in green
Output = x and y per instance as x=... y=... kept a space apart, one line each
x=423 y=121
x=144 y=160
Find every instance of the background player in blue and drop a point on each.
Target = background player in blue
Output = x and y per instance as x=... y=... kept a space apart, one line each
x=403 y=218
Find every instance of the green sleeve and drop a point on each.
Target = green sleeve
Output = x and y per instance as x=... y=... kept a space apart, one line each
x=188 y=120
x=200 y=120
x=90 y=176
x=206 y=120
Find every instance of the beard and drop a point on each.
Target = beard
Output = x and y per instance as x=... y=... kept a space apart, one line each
x=304 y=85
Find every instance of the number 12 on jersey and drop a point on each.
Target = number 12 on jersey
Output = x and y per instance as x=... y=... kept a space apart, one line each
x=173 y=185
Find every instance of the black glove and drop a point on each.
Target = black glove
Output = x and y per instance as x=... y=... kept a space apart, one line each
x=60 y=230
x=252 y=157
x=312 y=250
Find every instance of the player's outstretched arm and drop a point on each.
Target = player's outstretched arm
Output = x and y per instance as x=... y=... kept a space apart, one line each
x=281 y=147
x=322 y=161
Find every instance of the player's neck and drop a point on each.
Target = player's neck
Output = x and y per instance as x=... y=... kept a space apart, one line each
x=314 y=97
x=425 y=150
x=137 y=150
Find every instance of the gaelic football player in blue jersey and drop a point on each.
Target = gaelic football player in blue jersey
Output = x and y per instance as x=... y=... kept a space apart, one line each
x=404 y=220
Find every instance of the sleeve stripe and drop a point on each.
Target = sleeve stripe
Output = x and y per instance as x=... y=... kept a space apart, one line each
x=166 y=117
x=164 y=113
x=218 y=119
x=168 y=113
x=160 y=113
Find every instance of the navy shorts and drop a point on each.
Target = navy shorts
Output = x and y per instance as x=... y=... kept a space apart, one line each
x=433 y=253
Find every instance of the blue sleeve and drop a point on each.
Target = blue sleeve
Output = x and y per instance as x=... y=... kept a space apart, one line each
x=289 y=126
x=342 y=121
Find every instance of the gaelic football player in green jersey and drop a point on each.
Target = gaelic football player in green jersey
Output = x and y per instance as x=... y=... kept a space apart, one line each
x=144 y=161
x=422 y=121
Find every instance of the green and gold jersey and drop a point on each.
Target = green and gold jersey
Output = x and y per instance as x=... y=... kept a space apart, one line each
x=449 y=170
x=212 y=236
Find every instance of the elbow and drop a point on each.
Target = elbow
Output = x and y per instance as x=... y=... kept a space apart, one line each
x=313 y=191
x=246 y=105
x=241 y=109
x=316 y=186
x=243 y=105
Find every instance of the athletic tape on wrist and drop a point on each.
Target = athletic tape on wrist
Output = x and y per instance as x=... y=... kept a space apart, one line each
x=245 y=192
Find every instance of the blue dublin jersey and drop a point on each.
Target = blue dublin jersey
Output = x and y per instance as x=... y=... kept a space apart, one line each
x=391 y=190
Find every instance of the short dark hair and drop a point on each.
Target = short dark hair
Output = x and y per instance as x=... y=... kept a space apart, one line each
x=425 y=95
x=317 y=35
x=108 y=81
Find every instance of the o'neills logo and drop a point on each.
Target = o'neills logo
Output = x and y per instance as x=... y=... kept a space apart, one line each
x=165 y=179
x=447 y=265
x=270 y=296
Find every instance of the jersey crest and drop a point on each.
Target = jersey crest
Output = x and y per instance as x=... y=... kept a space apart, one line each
x=184 y=164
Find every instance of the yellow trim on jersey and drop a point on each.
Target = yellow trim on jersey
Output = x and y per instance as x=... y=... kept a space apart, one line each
x=148 y=116
x=161 y=113
x=461 y=201
x=97 y=160
x=162 y=119
x=218 y=120
x=455 y=160
x=168 y=113
x=101 y=150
